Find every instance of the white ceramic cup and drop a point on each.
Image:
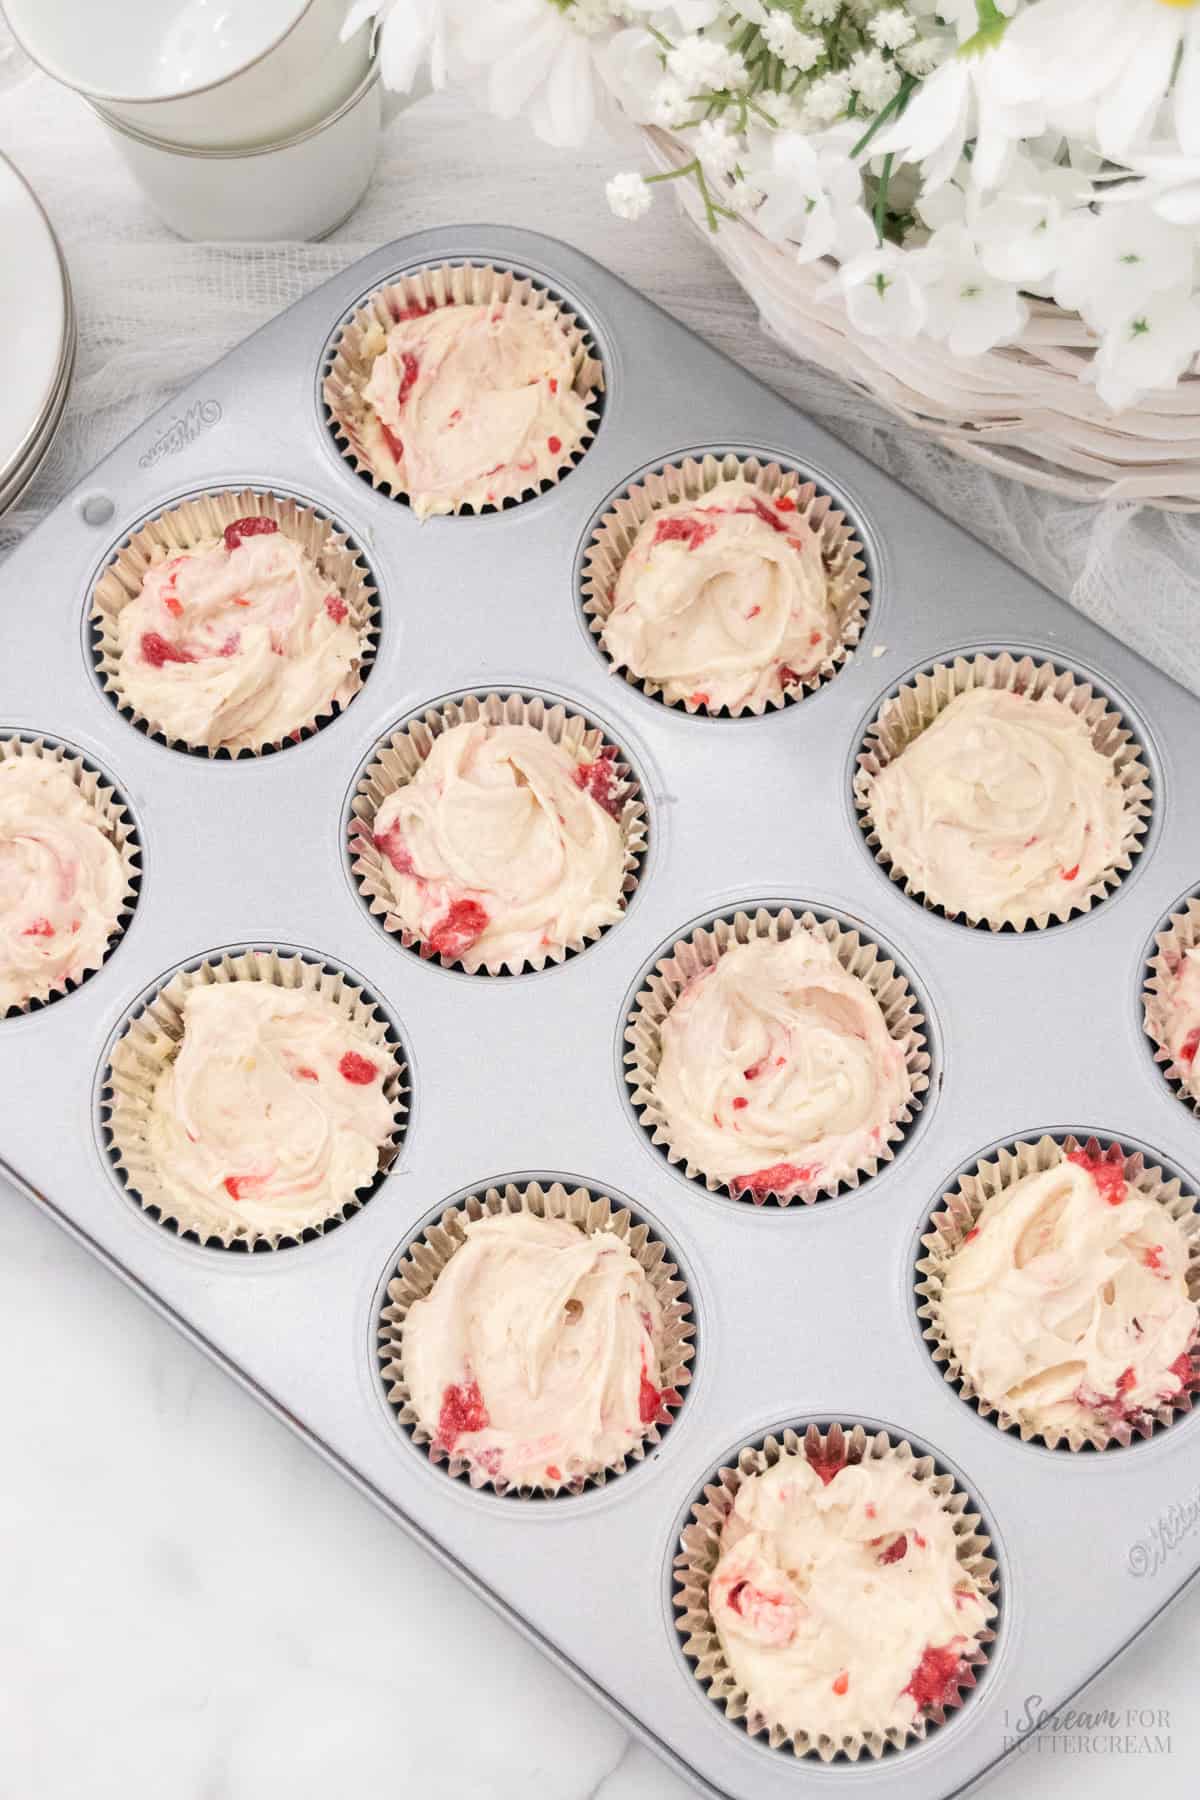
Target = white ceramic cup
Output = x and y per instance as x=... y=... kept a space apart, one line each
x=302 y=187
x=205 y=73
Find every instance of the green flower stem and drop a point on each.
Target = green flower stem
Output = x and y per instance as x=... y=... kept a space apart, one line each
x=893 y=109
x=714 y=211
x=992 y=27
x=885 y=179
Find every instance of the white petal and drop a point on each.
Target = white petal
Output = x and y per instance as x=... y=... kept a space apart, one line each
x=1131 y=102
x=564 y=110
x=1187 y=93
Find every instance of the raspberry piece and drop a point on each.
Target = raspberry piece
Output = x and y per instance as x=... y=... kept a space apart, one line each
x=841 y=1682
x=1153 y=1258
x=740 y=1102
x=938 y=1677
x=553 y=1471
x=335 y=606
x=689 y=531
x=895 y=1551
x=173 y=606
x=1125 y=1380
x=1069 y=874
x=360 y=1071
x=785 y=503
x=157 y=650
x=755 y=1069
x=596 y=778
x=412 y=369
x=415 y=311
x=254 y=526
x=1189 y=1046
x=973 y=1233
x=554 y=384
x=462 y=926
x=389 y=843
x=463 y=1410
x=39 y=928
x=699 y=698
x=764 y=512
x=306 y=1074
x=554 y=445
x=825 y=1464
x=1106 y=1170
x=393 y=442
x=1184 y=1369
x=780 y=1178
x=232 y=643
x=787 y=675
x=238 y=1186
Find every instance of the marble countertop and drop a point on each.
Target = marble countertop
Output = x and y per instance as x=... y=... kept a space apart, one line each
x=192 y=1606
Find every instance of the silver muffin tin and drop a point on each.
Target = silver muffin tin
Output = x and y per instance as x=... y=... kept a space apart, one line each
x=802 y=1313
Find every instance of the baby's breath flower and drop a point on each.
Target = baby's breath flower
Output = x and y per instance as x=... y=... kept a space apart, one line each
x=669 y=104
x=821 y=12
x=717 y=147
x=922 y=56
x=798 y=49
x=629 y=195
x=700 y=62
x=873 y=78
x=892 y=28
x=828 y=97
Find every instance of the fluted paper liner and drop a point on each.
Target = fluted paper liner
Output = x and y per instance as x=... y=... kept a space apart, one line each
x=1180 y=934
x=690 y=956
x=426 y=1256
x=152 y=1038
x=958 y=1213
x=184 y=526
x=400 y=756
x=363 y=336
x=842 y=555
x=112 y=818
x=700 y=1549
x=908 y=713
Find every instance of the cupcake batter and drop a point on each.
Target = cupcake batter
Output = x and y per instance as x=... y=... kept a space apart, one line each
x=723 y=600
x=1002 y=809
x=839 y=1598
x=62 y=881
x=1067 y=1306
x=536 y=1355
x=237 y=643
x=778 y=1073
x=503 y=846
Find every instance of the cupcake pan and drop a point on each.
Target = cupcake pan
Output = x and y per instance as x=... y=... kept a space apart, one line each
x=802 y=1313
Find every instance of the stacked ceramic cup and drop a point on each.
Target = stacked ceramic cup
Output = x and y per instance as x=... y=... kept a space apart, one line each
x=241 y=119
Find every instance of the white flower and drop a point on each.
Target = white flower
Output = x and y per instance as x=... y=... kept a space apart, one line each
x=1020 y=229
x=691 y=15
x=828 y=97
x=821 y=12
x=1106 y=66
x=798 y=49
x=411 y=34
x=744 y=195
x=1111 y=262
x=718 y=148
x=670 y=105
x=704 y=63
x=957 y=104
x=968 y=309
x=632 y=69
x=925 y=54
x=873 y=78
x=535 y=61
x=882 y=294
x=629 y=196
x=1149 y=349
x=812 y=195
x=1171 y=187
x=892 y=28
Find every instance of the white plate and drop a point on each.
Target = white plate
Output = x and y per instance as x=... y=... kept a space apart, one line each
x=34 y=318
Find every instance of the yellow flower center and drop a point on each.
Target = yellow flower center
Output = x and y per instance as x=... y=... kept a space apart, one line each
x=1178 y=2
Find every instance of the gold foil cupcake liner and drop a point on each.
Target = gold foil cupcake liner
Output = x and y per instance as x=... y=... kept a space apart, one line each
x=151 y=1039
x=700 y=1550
x=112 y=817
x=184 y=526
x=1180 y=934
x=690 y=956
x=363 y=337
x=958 y=1214
x=842 y=554
x=908 y=713
x=591 y=1210
x=399 y=757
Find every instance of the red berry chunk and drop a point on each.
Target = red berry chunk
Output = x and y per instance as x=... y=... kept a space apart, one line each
x=1184 y=1369
x=785 y=503
x=740 y=1102
x=841 y=1682
x=755 y=1069
x=1125 y=1380
x=412 y=369
x=764 y=512
x=597 y=778
x=895 y=1551
x=1070 y=874
x=1189 y=1046
x=1152 y=1258
x=254 y=526
x=157 y=650
x=938 y=1677
x=39 y=928
x=238 y=1186
x=173 y=606
x=389 y=843
x=1106 y=1170
x=554 y=445
x=780 y=1178
x=415 y=311
x=304 y=1073
x=689 y=531
x=335 y=606
x=825 y=1464
x=649 y=1399
x=359 y=1070
x=393 y=442
x=788 y=676
x=462 y=926
x=463 y=1410
x=553 y=1471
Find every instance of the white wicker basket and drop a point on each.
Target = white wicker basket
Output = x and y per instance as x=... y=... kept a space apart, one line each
x=1020 y=409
